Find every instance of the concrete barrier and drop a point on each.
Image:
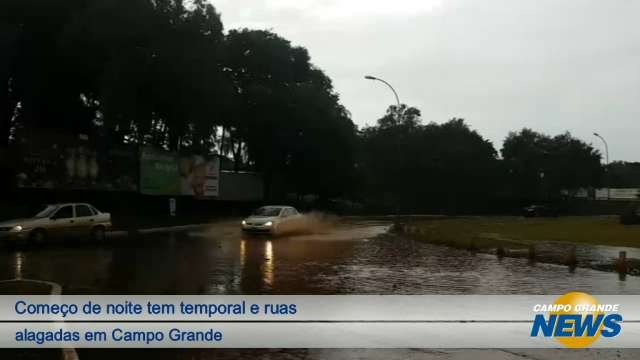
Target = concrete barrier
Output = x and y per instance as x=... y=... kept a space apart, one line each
x=54 y=289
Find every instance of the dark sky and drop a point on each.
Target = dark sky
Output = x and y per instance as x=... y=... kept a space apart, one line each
x=551 y=65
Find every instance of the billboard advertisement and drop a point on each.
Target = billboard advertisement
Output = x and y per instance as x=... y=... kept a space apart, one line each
x=158 y=172
x=75 y=166
x=166 y=173
x=64 y=163
x=199 y=176
x=618 y=194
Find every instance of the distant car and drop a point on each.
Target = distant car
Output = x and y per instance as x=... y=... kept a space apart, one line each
x=539 y=210
x=267 y=219
x=57 y=220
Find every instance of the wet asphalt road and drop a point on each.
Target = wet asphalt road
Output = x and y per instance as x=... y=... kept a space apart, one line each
x=350 y=258
x=353 y=257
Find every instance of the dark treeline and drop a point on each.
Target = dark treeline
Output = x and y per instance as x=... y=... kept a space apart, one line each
x=624 y=174
x=450 y=168
x=164 y=73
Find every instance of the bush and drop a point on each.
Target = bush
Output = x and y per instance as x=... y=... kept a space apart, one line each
x=631 y=216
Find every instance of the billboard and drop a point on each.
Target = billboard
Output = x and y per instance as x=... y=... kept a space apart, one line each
x=66 y=163
x=241 y=186
x=166 y=173
x=618 y=194
x=158 y=172
x=199 y=176
x=72 y=165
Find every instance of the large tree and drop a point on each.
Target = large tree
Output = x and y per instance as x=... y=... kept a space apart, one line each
x=288 y=114
x=155 y=69
x=409 y=167
x=38 y=87
x=541 y=166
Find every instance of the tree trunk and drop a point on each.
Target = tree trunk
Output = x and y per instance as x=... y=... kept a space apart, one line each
x=237 y=157
x=174 y=139
x=6 y=112
x=224 y=130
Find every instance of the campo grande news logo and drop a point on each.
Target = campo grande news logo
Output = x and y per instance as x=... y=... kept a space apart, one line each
x=577 y=320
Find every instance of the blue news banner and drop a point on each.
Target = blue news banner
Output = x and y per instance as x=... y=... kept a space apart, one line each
x=354 y=321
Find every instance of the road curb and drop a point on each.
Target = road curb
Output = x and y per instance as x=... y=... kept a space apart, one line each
x=172 y=228
x=156 y=230
x=56 y=289
x=70 y=354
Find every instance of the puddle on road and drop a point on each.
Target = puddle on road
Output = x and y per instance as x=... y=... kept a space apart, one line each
x=351 y=258
x=392 y=265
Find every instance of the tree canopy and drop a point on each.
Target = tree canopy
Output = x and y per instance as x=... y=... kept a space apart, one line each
x=540 y=165
x=435 y=167
x=163 y=73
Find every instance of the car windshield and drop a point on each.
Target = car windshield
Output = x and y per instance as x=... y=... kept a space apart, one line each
x=47 y=211
x=267 y=211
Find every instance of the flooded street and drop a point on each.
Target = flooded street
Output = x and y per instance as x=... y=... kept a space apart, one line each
x=355 y=257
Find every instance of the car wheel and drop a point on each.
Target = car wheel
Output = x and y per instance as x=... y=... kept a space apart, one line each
x=98 y=234
x=37 y=236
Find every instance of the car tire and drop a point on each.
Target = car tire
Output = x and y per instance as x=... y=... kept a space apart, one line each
x=98 y=234
x=36 y=237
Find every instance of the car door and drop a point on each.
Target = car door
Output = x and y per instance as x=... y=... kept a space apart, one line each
x=285 y=215
x=62 y=222
x=84 y=219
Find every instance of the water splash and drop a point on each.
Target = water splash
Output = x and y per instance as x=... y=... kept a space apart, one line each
x=314 y=223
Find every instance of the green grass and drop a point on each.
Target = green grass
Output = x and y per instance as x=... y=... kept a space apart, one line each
x=486 y=232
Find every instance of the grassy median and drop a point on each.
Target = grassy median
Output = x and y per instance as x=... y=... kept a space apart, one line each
x=519 y=232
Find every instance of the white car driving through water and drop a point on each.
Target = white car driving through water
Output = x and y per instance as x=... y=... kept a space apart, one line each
x=268 y=219
x=57 y=220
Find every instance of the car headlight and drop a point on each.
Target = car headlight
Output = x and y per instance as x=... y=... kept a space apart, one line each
x=244 y=223
x=16 y=228
x=268 y=223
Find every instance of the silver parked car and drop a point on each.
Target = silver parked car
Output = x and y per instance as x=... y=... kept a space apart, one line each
x=267 y=219
x=57 y=220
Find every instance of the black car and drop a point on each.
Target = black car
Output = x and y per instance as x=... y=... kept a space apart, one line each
x=540 y=210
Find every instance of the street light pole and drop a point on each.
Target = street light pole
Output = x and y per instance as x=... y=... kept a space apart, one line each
x=369 y=77
x=606 y=150
x=395 y=93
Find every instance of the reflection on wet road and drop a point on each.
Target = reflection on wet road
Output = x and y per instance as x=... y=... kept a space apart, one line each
x=350 y=258
x=353 y=257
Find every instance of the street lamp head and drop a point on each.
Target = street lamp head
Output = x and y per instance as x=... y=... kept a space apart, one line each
x=596 y=134
x=369 y=77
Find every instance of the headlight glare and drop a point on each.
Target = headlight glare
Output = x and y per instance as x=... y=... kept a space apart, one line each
x=16 y=228
x=268 y=223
